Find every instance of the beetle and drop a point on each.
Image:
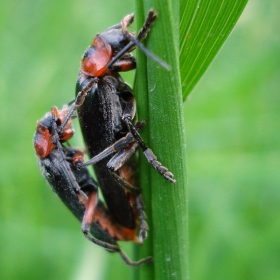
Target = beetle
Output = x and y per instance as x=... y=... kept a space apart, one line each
x=106 y=113
x=75 y=187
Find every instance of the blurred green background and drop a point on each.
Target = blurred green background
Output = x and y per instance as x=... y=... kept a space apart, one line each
x=232 y=125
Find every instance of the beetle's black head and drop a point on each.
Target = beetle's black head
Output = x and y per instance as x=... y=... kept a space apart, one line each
x=116 y=38
x=46 y=121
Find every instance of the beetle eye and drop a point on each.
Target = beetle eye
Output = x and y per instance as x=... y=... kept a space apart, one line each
x=58 y=121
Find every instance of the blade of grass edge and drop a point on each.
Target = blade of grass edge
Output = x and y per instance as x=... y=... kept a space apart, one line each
x=167 y=139
x=141 y=89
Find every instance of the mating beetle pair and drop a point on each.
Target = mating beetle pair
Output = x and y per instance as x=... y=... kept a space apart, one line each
x=106 y=108
x=77 y=190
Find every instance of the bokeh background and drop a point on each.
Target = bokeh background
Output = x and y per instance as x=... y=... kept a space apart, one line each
x=232 y=124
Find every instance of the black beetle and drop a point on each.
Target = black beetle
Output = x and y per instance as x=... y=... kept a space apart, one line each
x=106 y=112
x=76 y=188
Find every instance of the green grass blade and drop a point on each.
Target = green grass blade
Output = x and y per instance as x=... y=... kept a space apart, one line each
x=204 y=27
x=160 y=102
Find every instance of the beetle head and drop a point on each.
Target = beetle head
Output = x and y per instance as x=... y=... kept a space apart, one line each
x=43 y=142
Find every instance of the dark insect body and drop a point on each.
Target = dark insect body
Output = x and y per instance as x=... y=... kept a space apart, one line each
x=77 y=190
x=105 y=114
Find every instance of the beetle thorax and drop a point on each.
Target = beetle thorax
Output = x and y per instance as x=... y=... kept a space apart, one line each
x=96 y=58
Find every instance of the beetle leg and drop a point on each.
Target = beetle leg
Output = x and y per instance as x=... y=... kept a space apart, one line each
x=124 y=184
x=152 y=16
x=129 y=262
x=142 y=218
x=56 y=138
x=116 y=147
x=118 y=160
x=78 y=101
x=125 y=63
x=127 y=21
x=128 y=115
x=150 y=156
x=88 y=218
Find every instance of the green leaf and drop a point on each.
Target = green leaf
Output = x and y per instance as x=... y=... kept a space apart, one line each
x=204 y=27
x=159 y=100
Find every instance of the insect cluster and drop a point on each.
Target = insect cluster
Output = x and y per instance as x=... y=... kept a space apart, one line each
x=106 y=109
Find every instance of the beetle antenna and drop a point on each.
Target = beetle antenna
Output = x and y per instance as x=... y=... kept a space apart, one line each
x=152 y=56
x=132 y=263
x=77 y=102
x=152 y=16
